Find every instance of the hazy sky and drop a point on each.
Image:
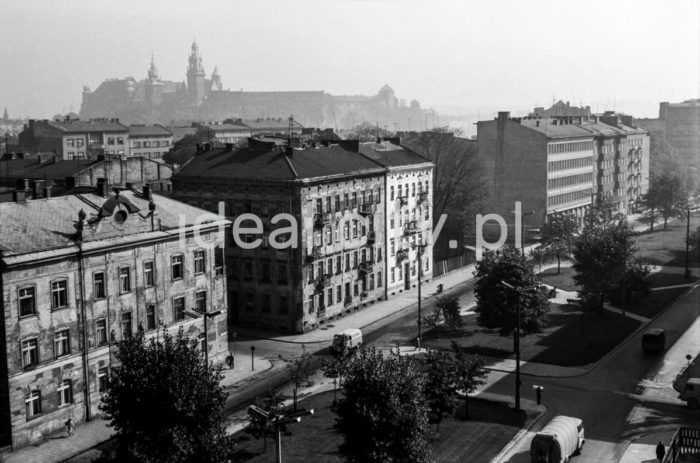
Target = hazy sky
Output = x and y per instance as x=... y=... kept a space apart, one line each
x=468 y=54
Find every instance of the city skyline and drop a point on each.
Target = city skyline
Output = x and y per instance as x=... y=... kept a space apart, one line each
x=452 y=57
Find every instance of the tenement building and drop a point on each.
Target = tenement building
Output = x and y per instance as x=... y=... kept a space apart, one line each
x=561 y=164
x=309 y=228
x=81 y=272
x=409 y=199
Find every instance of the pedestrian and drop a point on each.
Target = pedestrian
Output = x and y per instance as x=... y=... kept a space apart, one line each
x=230 y=361
x=660 y=451
x=70 y=427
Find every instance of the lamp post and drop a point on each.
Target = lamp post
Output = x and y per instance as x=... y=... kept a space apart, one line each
x=522 y=228
x=279 y=420
x=519 y=291
x=196 y=313
x=419 y=248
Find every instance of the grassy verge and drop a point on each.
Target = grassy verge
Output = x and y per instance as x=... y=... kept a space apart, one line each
x=314 y=440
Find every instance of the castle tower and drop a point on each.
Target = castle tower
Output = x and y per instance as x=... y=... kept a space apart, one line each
x=216 y=85
x=5 y=115
x=154 y=87
x=195 y=77
x=152 y=71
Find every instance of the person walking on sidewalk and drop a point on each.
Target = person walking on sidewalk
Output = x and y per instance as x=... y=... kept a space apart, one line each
x=230 y=361
x=660 y=452
x=70 y=427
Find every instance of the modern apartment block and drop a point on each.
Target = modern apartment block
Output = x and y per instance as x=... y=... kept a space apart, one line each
x=75 y=139
x=682 y=128
x=79 y=273
x=335 y=198
x=409 y=199
x=561 y=164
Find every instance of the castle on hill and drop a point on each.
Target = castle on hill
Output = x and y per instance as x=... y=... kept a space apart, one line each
x=154 y=100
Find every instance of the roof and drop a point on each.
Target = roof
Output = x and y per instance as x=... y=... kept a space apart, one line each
x=391 y=155
x=149 y=131
x=268 y=161
x=278 y=124
x=226 y=127
x=93 y=125
x=25 y=227
x=553 y=129
x=35 y=169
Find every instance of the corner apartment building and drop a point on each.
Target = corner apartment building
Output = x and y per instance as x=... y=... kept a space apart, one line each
x=561 y=164
x=75 y=139
x=149 y=141
x=332 y=258
x=79 y=273
x=409 y=199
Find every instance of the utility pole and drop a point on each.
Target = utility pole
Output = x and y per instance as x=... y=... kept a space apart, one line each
x=687 y=244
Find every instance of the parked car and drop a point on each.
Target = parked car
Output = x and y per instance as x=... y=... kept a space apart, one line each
x=347 y=341
x=558 y=441
x=691 y=393
x=654 y=341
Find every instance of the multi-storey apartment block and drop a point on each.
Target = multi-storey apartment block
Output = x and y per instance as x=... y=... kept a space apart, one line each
x=75 y=139
x=681 y=123
x=149 y=141
x=409 y=199
x=79 y=273
x=561 y=164
x=314 y=242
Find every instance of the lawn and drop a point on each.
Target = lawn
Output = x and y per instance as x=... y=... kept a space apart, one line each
x=667 y=247
x=563 y=280
x=570 y=338
x=491 y=427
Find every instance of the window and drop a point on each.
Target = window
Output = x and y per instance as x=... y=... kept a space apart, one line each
x=282 y=273
x=337 y=203
x=346 y=230
x=179 y=308
x=391 y=192
x=59 y=294
x=126 y=325
x=110 y=141
x=70 y=142
x=379 y=279
x=311 y=304
x=176 y=267
x=120 y=140
x=98 y=282
x=101 y=332
x=148 y=279
x=391 y=220
x=337 y=233
x=329 y=235
x=392 y=247
x=102 y=377
x=201 y=301
x=329 y=266
x=330 y=296
x=150 y=317
x=265 y=271
x=30 y=352
x=124 y=279
x=61 y=343
x=284 y=303
x=354 y=228
x=27 y=301
x=79 y=142
x=65 y=392
x=347 y=262
x=218 y=261
x=199 y=262
x=338 y=265
x=338 y=294
x=32 y=402
x=354 y=259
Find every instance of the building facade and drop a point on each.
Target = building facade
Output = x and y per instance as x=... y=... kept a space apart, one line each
x=149 y=141
x=682 y=128
x=75 y=139
x=105 y=267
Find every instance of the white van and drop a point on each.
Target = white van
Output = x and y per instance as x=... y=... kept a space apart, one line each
x=347 y=341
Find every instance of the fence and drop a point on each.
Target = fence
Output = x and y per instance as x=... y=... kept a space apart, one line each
x=453 y=263
x=686 y=441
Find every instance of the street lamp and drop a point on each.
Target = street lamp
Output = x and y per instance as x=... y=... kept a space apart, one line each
x=419 y=248
x=196 y=313
x=519 y=291
x=279 y=420
x=522 y=229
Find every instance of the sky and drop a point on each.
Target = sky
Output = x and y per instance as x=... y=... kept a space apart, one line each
x=454 y=56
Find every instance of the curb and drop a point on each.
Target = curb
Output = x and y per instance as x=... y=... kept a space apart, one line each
x=518 y=437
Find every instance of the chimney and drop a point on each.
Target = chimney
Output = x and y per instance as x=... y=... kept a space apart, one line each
x=102 y=187
x=147 y=193
x=503 y=116
x=19 y=196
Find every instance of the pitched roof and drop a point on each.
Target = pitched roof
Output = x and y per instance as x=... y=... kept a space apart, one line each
x=35 y=169
x=93 y=125
x=268 y=161
x=391 y=155
x=149 y=131
x=26 y=227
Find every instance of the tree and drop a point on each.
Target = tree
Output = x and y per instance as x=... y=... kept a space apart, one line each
x=541 y=255
x=496 y=305
x=270 y=402
x=601 y=255
x=447 y=310
x=299 y=372
x=165 y=403
x=441 y=385
x=633 y=287
x=383 y=414
x=469 y=373
x=459 y=185
x=333 y=368
x=558 y=234
x=367 y=132
x=668 y=194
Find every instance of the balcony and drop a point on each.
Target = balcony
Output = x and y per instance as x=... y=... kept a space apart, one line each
x=422 y=196
x=410 y=227
x=322 y=282
x=403 y=200
x=367 y=209
x=401 y=254
x=320 y=220
x=366 y=267
x=371 y=237
x=314 y=254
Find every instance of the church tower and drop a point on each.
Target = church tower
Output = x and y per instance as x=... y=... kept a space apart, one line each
x=195 y=77
x=216 y=85
x=154 y=87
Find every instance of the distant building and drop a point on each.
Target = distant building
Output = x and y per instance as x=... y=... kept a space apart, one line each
x=561 y=109
x=679 y=125
x=79 y=273
x=75 y=139
x=561 y=164
x=155 y=100
x=149 y=141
